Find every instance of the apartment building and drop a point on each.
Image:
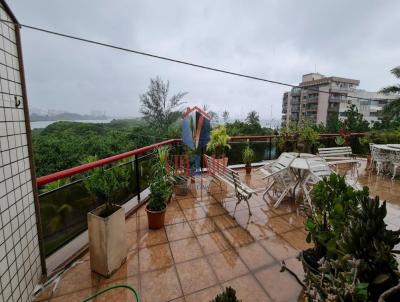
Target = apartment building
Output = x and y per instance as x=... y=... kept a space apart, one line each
x=319 y=96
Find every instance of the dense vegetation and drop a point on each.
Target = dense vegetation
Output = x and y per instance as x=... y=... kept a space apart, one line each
x=66 y=144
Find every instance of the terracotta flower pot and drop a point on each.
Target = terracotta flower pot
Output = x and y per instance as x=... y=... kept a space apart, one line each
x=248 y=169
x=155 y=218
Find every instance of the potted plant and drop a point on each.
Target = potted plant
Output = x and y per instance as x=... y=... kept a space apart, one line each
x=367 y=238
x=218 y=144
x=228 y=295
x=308 y=138
x=332 y=202
x=248 y=157
x=160 y=190
x=338 y=282
x=347 y=225
x=106 y=223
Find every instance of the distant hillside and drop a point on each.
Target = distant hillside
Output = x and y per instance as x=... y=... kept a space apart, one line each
x=65 y=116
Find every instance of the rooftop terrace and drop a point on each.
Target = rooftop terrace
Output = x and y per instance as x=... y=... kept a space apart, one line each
x=202 y=249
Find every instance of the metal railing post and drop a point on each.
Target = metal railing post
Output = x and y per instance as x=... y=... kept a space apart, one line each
x=269 y=149
x=137 y=177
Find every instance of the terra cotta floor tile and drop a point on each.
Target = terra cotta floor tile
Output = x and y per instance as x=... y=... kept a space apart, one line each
x=202 y=226
x=194 y=213
x=178 y=231
x=76 y=278
x=127 y=269
x=279 y=248
x=237 y=236
x=185 y=249
x=161 y=286
x=207 y=294
x=155 y=257
x=297 y=239
x=149 y=237
x=195 y=275
x=224 y=221
x=255 y=256
x=279 y=286
x=172 y=217
x=119 y=294
x=248 y=289
x=227 y=265
x=213 y=242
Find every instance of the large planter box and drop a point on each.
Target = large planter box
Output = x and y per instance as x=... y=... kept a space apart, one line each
x=107 y=240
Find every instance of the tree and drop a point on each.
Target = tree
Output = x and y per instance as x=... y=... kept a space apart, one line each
x=333 y=123
x=225 y=116
x=159 y=110
x=355 y=121
x=253 y=118
x=392 y=110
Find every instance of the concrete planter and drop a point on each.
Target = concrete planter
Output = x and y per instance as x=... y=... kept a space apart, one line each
x=182 y=188
x=107 y=240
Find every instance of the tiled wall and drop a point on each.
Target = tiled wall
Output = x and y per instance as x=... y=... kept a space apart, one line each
x=19 y=250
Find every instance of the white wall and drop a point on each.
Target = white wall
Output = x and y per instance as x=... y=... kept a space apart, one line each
x=20 y=267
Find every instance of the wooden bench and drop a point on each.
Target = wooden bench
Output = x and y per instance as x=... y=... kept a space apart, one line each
x=221 y=173
x=336 y=156
x=335 y=152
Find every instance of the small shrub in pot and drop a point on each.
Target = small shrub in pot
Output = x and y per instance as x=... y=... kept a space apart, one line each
x=248 y=157
x=160 y=190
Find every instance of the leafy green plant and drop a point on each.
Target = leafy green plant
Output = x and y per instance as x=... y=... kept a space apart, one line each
x=228 y=295
x=103 y=184
x=248 y=155
x=219 y=139
x=339 y=141
x=333 y=201
x=367 y=238
x=308 y=137
x=287 y=137
x=161 y=181
x=338 y=281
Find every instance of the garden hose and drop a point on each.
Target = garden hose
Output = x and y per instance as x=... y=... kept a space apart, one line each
x=137 y=297
x=285 y=268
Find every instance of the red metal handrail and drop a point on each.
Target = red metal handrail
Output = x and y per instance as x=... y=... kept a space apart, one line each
x=41 y=181
x=267 y=137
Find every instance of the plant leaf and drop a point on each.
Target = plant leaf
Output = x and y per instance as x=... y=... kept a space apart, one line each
x=380 y=278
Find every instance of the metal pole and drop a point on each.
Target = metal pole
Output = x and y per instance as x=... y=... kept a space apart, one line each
x=269 y=149
x=137 y=177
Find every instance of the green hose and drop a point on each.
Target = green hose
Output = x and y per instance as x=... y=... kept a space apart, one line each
x=110 y=288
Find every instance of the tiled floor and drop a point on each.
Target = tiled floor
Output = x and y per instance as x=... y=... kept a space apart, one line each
x=202 y=249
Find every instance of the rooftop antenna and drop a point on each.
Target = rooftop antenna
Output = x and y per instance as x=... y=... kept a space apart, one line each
x=315 y=68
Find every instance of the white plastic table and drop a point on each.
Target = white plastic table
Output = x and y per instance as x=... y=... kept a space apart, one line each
x=300 y=167
x=388 y=147
x=300 y=162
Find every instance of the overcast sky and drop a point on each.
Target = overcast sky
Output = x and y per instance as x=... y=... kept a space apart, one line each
x=278 y=40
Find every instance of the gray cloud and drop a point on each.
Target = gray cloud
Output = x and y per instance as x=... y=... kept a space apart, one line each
x=279 y=40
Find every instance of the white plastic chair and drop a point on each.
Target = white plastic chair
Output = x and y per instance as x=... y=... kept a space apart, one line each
x=394 y=158
x=282 y=178
x=380 y=159
x=318 y=168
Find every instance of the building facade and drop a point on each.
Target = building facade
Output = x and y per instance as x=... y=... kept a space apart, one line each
x=20 y=258
x=318 y=97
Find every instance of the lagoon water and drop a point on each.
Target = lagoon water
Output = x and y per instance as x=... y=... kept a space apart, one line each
x=44 y=124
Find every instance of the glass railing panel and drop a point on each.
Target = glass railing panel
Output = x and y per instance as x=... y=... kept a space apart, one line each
x=64 y=209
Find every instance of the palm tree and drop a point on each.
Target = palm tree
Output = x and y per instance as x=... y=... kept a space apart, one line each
x=225 y=116
x=392 y=110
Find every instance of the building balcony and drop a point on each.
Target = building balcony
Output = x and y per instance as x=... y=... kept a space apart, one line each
x=203 y=247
